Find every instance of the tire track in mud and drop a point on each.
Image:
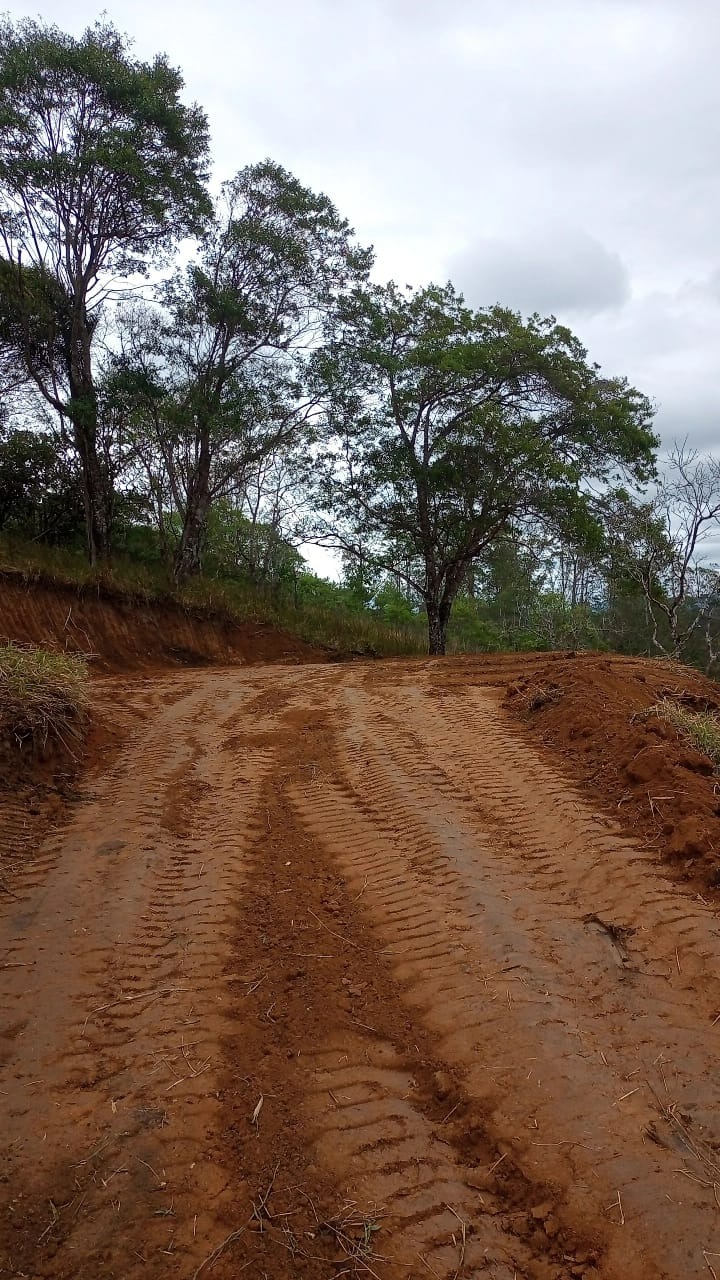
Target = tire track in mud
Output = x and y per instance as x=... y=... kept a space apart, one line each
x=330 y=975
x=356 y=1128
x=483 y=923
x=112 y=1096
x=434 y=1208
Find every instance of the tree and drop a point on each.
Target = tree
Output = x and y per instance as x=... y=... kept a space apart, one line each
x=446 y=425
x=102 y=168
x=657 y=545
x=229 y=361
x=250 y=549
x=40 y=490
x=510 y=577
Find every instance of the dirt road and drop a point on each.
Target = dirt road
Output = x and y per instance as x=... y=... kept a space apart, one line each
x=331 y=974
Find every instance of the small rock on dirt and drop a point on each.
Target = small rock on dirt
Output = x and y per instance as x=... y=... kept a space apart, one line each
x=696 y=761
x=647 y=764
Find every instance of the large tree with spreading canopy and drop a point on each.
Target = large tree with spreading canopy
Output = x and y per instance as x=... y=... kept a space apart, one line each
x=446 y=425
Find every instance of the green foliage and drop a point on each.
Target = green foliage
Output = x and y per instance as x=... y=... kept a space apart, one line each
x=236 y=546
x=448 y=424
x=40 y=491
x=139 y=543
x=102 y=169
x=357 y=585
x=473 y=630
x=222 y=379
x=101 y=164
x=638 y=545
x=34 y=312
x=393 y=606
x=558 y=625
x=275 y=255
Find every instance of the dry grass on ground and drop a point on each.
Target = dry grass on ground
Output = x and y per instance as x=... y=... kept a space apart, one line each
x=700 y=729
x=43 y=699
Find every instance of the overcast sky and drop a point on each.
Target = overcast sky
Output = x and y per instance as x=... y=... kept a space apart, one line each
x=554 y=155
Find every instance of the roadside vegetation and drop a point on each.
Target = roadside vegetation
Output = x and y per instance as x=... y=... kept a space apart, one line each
x=188 y=424
x=43 y=700
x=320 y=612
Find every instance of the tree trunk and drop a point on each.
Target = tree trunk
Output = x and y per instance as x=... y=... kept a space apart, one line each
x=188 y=557
x=438 y=613
x=82 y=410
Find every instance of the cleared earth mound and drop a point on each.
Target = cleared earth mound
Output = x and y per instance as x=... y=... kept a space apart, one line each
x=625 y=728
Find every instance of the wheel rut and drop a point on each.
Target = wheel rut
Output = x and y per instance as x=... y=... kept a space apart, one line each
x=330 y=974
x=488 y=898
x=112 y=1075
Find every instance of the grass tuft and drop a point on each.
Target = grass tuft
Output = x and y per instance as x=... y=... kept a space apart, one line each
x=43 y=698
x=701 y=729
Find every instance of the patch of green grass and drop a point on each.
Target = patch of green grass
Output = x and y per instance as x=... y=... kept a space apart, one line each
x=43 y=697
x=701 y=729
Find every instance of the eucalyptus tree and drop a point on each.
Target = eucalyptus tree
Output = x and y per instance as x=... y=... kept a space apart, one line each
x=447 y=425
x=102 y=169
x=226 y=366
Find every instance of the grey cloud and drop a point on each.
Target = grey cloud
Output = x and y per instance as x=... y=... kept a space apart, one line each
x=691 y=419
x=557 y=271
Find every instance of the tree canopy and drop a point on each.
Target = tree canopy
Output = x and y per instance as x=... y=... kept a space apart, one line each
x=446 y=424
x=225 y=361
x=102 y=169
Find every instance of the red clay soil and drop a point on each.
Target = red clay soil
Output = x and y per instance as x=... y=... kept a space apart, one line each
x=339 y=971
x=120 y=634
x=637 y=766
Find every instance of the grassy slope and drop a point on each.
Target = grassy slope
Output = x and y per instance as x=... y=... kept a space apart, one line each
x=338 y=628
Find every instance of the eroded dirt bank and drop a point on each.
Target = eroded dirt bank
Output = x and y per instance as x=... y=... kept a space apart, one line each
x=332 y=973
x=118 y=633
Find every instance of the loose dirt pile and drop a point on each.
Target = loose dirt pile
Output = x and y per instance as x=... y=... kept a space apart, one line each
x=593 y=712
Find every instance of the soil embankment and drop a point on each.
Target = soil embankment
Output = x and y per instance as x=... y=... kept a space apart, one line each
x=334 y=971
x=595 y=714
x=120 y=633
